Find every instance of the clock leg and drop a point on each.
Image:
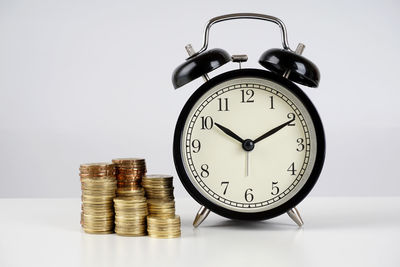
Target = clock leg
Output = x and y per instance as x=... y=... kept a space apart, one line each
x=295 y=216
x=201 y=216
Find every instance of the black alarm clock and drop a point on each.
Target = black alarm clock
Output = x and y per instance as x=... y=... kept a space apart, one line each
x=249 y=144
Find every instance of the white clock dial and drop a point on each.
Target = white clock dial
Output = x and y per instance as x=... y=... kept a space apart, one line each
x=268 y=175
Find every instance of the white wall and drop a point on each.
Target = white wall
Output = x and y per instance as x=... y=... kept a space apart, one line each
x=84 y=81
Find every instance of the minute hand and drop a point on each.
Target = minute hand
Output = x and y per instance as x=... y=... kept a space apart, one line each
x=271 y=132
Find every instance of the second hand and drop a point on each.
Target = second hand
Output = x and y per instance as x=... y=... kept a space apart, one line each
x=247 y=163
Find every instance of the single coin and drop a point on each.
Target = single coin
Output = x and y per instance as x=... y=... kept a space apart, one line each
x=127 y=160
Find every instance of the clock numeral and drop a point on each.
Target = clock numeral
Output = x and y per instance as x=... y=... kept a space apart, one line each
x=275 y=189
x=271 y=102
x=249 y=94
x=248 y=196
x=292 y=169
x=196 y=146
x=226 y=186
x=223 y=104
x=206 y=123
x=300 y=144
x=291 y=116
x=204 y=171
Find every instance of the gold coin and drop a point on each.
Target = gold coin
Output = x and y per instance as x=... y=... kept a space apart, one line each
x=97 y=168
x=131 y=214
x=131 y=210
x=131 y=225
x=129 y=176
x=97 y=175
x=99 y=213
x=137 y=172
x=157 y=221
x=126 y=184
x=98 y=227
x=96 y=164
x=164 y=236
x=134 y=218
x=103 y=212
x=99 y=193
x=131 y=228
x=118 y=232
x=130 y=192
x=133 y=202
x=158 y=177
x=156 y=180
x=128 y=160
x=97 y=218
x=160 y=203
x=97 y=206
x=164 y=231
x=134 y=187
x=100 y=180
x=131 y=168
x=138 y=214
x=153 y=186
x=159 y=190
x=129 y=200
x=105 y=201
x=129 y=165
x=89 y=190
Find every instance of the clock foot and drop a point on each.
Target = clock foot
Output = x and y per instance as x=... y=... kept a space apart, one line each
x=295 y=216
x=201 y=216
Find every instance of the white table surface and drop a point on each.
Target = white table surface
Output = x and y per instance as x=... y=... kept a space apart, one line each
x=337 y=232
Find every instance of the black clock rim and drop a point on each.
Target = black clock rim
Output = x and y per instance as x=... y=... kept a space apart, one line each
x=263 y=215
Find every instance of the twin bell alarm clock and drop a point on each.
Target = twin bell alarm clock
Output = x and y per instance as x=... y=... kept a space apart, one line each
x=248 y=144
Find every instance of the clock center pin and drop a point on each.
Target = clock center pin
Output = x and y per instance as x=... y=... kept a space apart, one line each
x=248 y=145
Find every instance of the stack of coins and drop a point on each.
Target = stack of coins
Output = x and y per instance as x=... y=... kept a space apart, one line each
x=160 y=208
x=129 y=175
x=98 y=185
x=158 y=187
x=164 y=227
x=130 y=215
x=162 y=221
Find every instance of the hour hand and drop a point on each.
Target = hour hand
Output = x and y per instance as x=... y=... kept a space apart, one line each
x=229 y=132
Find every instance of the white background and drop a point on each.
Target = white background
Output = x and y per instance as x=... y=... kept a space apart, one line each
x=87 y=81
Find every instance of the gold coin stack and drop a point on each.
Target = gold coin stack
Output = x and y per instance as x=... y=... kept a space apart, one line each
x=158 y=187
x=98 y=186
x=164 y=227
x=162 y=221
x=130 y=215
x=129 y=175
x=160 y=208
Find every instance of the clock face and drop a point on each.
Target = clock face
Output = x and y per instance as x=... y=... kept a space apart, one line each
x=248 y=144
